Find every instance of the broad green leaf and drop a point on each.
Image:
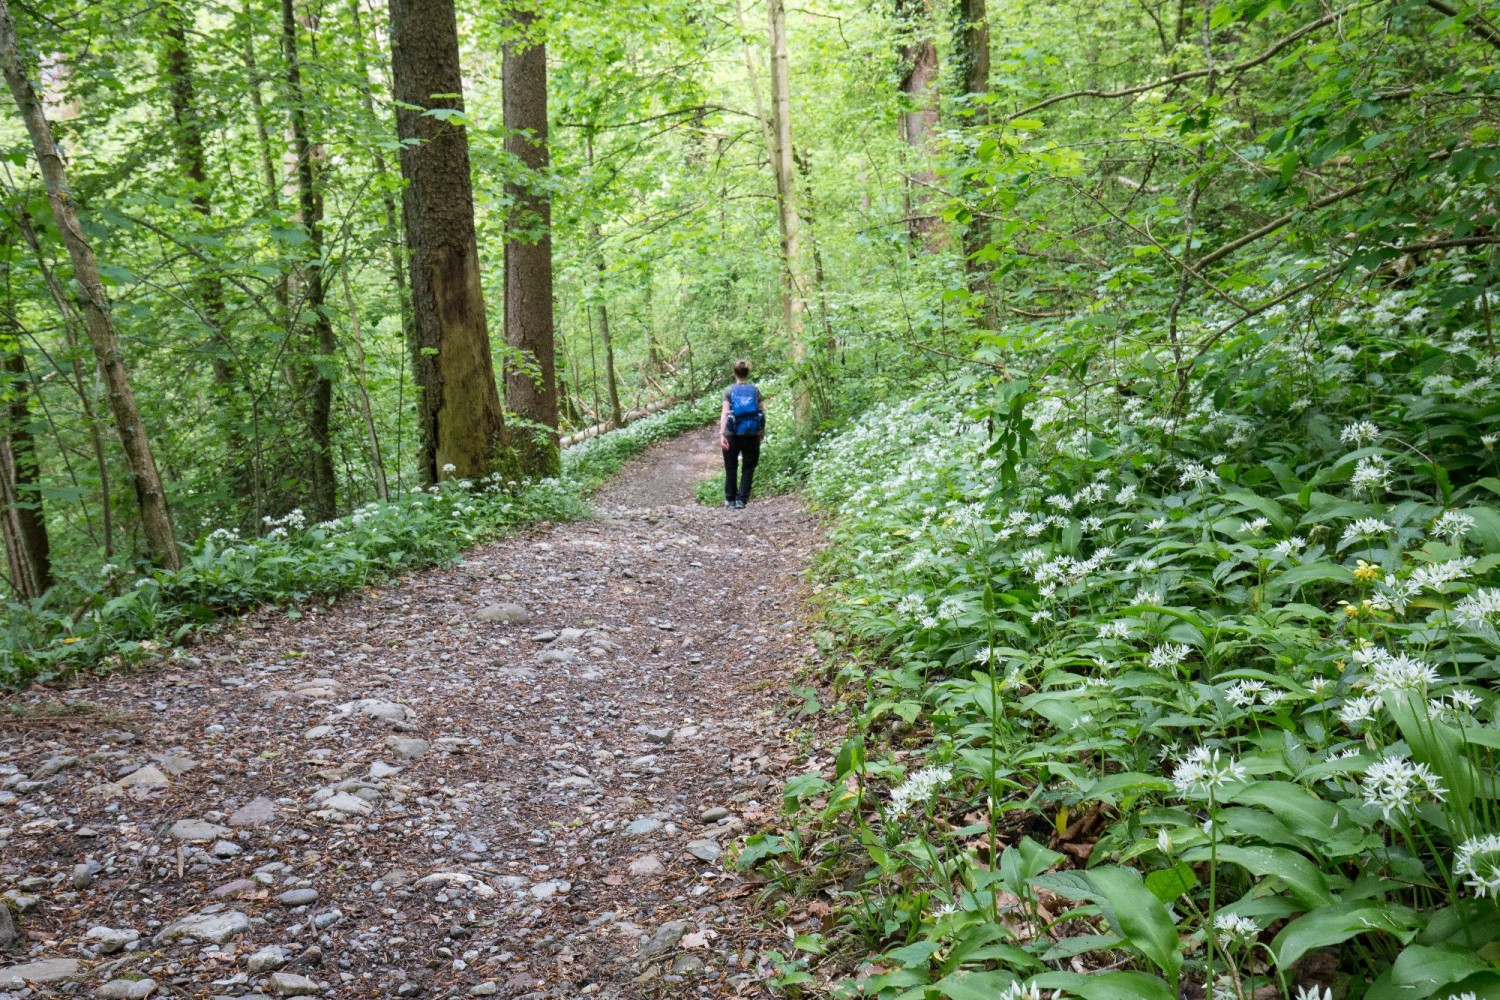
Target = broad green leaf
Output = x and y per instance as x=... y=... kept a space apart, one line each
x=1107 y=986
x=1338 y=923
x=1138 y=915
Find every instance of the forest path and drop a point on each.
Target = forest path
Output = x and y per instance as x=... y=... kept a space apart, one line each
x=408 y=794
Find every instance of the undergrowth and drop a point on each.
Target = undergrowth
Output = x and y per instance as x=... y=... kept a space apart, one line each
x=133 y=613
x=1164 y=688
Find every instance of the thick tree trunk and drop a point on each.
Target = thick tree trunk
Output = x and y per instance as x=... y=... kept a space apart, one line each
x=28 y=550
x=324 y=499
x=919 y=119
x=177 y=66
x=530 y=387
x=156 y=519
x=462 y=423
x=793 y=278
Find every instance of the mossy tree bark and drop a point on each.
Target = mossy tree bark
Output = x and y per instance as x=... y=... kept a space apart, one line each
x=462 y=423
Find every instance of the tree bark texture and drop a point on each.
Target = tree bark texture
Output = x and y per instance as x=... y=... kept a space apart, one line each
x=919 y=119
x=28 y=549
x=459 y=409
x=793 y=278
x=156 y=518
x=971 y=52
x=531 y=385
x=324 y=499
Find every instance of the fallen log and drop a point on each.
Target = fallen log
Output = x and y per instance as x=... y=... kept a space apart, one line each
x=631 y=416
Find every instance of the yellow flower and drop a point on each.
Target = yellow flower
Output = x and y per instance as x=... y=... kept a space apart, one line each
x=1352 y=610
x=1366 y=572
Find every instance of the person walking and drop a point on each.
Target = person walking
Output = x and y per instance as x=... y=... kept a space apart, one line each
x=742 y=423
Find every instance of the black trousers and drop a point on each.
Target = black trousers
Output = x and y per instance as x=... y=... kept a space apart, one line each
x=747 y=445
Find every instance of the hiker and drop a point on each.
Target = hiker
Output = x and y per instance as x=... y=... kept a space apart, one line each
x=742 y=423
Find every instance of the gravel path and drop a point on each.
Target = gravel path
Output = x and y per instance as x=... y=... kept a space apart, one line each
x=515 y=777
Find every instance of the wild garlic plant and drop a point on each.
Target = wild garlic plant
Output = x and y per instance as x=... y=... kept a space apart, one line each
x=1212 y=685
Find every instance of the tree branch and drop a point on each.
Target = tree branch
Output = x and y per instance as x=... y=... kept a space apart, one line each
x=1475 y=21
x=1277 y=223
x=1194 y=74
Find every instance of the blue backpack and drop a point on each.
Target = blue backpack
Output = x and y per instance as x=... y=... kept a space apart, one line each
x=745 y=418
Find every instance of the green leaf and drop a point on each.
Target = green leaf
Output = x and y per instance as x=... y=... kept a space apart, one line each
x=1167 y=884
x=1304 y=879
x=1138 y=915
x=1338 y=923
x=969 y=985
x=914 y=954
x=1107 y=986
x=1422 y=966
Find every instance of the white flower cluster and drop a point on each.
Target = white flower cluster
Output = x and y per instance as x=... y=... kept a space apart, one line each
x=1394 y=671
x=1397 y=786
x=1477 y=862
x=918 y=788
x=1205 y=772
x=1360 y=432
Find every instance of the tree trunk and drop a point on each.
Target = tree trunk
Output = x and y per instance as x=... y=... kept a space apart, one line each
x=971 y=52
x=530 y=387
x=28 y=550
x=377 y=463
x=324 y=499
x=919 y=118
x=187 y=135
x=459 y=409
x=156 y=519
x=258 y=107
x=793 y=279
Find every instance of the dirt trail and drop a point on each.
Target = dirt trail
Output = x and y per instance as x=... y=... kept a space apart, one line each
x=408 y=795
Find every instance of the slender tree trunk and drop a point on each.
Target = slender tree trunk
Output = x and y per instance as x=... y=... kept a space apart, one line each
x=971 y=51
x=377 y=463
x=187 y=131
x=28 y=549
x=596 y=240
x=530 y=387
x=793 y=279
x=324 y=499
x=462 y=423
x=919 y=120
x=156 y=519
x=387 y=197
x=258 y=107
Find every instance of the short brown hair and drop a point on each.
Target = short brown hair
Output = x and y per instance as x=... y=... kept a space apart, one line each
x=742 y=368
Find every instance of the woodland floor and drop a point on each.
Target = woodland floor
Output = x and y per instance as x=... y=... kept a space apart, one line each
x=403 y=795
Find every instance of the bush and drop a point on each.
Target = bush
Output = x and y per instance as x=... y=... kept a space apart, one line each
x=1191 y=685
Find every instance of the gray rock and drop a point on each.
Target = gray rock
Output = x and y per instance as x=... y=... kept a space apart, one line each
x=235 y=889
x=488 y=988
x=20 y=900
x=111 y=939
x=374 y=708
x=198 y=830
x=285 y=984
x=407 y=748
x=687 y=965
x=642 y=826
x=51 y=970
x=548 y=889
x=547 y=656
x=713 y=815
x=568 y=636
x=144 y=779
x=268 y=959
x=8 y=933
x=226 y=849
x=298 y=897
x=662 y=736
x=705 y=850
x=648 y=865
x=126 y=989
x=663 y=940
x=259 y=811
x=53 y=765
x=544 y=637
x=509 y=614
x=318 y=732
x=213 y=927
x=380 y=769
x=348 y=804
x=83 y=877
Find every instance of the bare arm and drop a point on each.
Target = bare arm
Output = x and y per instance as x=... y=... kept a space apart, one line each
x=724 y=425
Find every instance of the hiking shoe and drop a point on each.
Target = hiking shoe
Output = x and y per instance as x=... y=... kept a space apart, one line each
x=739 y=505
x=729 y=504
